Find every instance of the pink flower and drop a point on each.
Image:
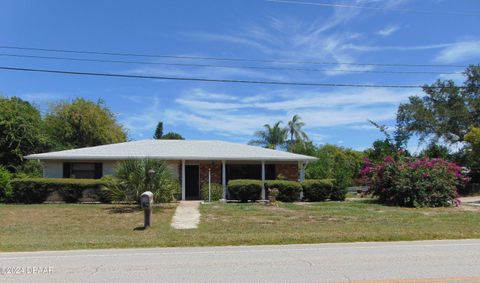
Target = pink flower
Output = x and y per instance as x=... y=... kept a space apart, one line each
x=388 y=159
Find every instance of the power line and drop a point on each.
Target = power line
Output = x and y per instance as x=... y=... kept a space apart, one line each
x=272 y=61
x=223 y=66
x=373 y=8
x=206 y=79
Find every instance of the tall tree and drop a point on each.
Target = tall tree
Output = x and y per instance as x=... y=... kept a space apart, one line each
x=82 y=123
x=297 y=135
x=20 y=131
x=446 y=112
x=158 y=131
x=271 y=136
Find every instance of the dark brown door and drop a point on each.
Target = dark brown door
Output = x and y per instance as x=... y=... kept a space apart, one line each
x=192 y=182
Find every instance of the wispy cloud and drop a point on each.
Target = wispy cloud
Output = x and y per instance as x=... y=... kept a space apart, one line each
x=241 y=115
x=388 y=30
x=460 y=52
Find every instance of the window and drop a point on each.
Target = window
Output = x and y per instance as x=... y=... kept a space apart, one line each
x=82 y=170
x=250 y=171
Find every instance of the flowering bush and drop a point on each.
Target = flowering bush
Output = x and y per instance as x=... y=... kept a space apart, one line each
x=414 y=182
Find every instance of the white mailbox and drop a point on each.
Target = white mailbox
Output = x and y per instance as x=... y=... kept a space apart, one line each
x=146 y=200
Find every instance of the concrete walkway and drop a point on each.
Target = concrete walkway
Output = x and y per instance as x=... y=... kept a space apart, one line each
x=187 y=215
x=475 y=200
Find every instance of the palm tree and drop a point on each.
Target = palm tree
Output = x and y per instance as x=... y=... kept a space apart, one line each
x=297 y=135
x=271 y=137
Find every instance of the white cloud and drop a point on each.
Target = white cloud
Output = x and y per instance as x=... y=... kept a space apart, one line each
x=245 y=114
x=145 y=120
x=460 y=52
x=388 y=30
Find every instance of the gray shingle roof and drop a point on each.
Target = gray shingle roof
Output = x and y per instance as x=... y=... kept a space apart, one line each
x=173 y=150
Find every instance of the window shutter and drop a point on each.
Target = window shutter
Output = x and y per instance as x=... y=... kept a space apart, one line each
x=66 y=170
x=98 y=170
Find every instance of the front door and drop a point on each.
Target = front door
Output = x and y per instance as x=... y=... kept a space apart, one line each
x=192 y=182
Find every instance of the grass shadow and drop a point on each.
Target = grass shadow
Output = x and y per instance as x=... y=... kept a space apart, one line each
x=123 y=209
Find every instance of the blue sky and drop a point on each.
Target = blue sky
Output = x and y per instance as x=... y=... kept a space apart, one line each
x=254 y=29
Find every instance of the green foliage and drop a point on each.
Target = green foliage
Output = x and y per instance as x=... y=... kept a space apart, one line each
x=172 y=136
x=298 y=137
x=338 y=193
x=317 y=189
x=288 y=191
x=336 y=163
x=414 y=182
x=20 y=131
x=36 y=190
x=271 y=137
x=436 y=151
x=305 y=148
x=82 y=123
x=29 y=169
x=275 y=136
x=446 y=112
x=245 y=189
x=381 y=149
x=133 y=179
x=216 y=191
x=158 y=131
x=473 y=138
x=5 y=188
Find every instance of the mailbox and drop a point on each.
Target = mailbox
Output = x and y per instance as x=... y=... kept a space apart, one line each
x=146 y=202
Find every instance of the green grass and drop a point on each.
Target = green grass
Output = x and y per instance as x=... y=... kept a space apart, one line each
x=71 y=226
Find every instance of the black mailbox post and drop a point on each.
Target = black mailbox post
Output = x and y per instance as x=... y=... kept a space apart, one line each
x=146 y=202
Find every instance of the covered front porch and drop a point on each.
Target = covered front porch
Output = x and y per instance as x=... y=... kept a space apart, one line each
x=195 y=173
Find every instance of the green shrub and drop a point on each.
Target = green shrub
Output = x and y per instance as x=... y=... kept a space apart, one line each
x=216 y=191
x=133 y=179
x=288 y=191
x=36 y=190
x=414 y=182
x=323 y=189
x=29 y=169
x=317 y=189
x=5 y=188
x=245 y=189
x=338 y=193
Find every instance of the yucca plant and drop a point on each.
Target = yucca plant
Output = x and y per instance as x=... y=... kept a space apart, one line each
x=133 y=179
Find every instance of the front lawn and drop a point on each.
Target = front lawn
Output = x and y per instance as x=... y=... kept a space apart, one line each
x=73 y=226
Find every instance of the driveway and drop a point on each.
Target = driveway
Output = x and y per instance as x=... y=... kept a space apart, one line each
x=421 y=261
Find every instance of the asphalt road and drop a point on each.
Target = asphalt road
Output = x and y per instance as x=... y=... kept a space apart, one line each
x=421 y=261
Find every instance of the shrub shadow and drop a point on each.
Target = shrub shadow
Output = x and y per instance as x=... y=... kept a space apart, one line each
x=123 y=209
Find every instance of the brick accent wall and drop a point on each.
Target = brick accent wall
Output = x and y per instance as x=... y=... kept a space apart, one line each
x=290 y=171
x=215 y=171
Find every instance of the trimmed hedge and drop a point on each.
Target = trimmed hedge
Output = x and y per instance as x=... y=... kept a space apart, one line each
x=36 y=190
x=245 y=189
x=323 y=189
x=288 y=191
x=317 y=189
x=216 y=192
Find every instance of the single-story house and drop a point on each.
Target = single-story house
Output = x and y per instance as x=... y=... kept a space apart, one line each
x=189 y=160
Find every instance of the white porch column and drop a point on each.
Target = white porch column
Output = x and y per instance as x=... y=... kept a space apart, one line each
x=302 y=171
x=263 y=180
x=183 y=179
x=302 y=176
x=224 y=179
